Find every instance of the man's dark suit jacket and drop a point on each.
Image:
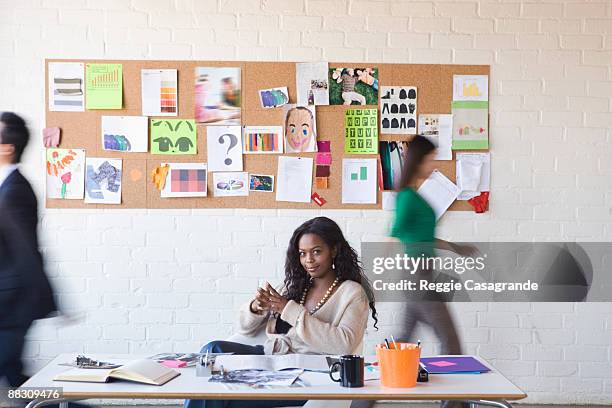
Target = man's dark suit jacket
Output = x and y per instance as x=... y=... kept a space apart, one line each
x=25 y=292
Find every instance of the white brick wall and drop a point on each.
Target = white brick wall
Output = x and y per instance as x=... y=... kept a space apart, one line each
x=551 y=107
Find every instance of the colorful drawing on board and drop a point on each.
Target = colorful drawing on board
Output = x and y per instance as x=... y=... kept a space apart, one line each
x=260 y=182
x=300 y=129
x=273 y=97
x=173 y=136
x=361 y=131
x=231 y=184
x=470 y=125
x=262 y=139
x=217 y=95
x=186 y=180
x=471 y=88
x=103 y=181
x=398 y=110
x=66 y=87
x=159 y=92
x=104 y=86
x=353 y=86
x=125 y=133
x=65 y=173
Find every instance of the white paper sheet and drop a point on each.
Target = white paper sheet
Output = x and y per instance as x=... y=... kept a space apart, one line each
x=389 y=199
x=439 y=192
x=439 y=129
x=66 y=87
x=125 y=133
x=359 y=178
x=484 y=159
x=186 y=180
x=470 y=87
x=224 y=147
x=231 y=184
x=294 y=179
x=312 y=83
x=102 y=180
x=154 y=101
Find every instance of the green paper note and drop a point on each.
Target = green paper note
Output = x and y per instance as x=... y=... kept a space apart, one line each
x=470 y=125
x=173 y=136
x=104 y=86
x=361 y=131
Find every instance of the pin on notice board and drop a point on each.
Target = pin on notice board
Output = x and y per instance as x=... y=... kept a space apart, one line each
x=318 y=199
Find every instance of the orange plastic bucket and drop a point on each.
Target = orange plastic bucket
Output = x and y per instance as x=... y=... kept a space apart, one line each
x=398 y=366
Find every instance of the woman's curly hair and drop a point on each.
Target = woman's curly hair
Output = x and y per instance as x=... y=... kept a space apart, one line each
x=347 y=264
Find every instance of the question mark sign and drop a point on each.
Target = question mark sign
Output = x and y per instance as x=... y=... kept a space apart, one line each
x=233 y=142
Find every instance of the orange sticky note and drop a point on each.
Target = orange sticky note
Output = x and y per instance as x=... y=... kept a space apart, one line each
x=321 y=182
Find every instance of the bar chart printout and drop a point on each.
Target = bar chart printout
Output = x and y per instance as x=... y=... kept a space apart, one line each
x=104 y=86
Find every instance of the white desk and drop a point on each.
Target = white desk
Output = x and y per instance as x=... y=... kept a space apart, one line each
x=487 y=389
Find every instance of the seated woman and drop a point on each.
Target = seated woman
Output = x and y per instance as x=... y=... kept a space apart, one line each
x=322 y=308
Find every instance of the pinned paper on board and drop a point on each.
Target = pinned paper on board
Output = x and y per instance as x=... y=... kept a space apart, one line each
x=262 y=139
x=294 y=179
x=312 y=83
x=185 y=180
x=300 y=129
x=173 y=136
x=361 y=131
x=103 y=180
x=273 y=97
x=470 y=125
x=353 y=86
x=261 y=182
x=224 y=148
x=473 y=174
x=65 y=173
x=392 y=158
x=398 y=110
x=439 y=192
x=104 y=86
x=218 y=95
x=231 y=184
x=159 y=90
x=125 y=133
x=51 y=136
x=471 y=88
x=359 y=181
x=66 y=87
x=389 y=199
x=438 y=129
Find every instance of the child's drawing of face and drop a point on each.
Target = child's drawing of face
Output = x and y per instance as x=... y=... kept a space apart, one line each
x=299 y=128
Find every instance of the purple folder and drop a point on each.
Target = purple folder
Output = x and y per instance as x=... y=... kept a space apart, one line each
x=453 y=365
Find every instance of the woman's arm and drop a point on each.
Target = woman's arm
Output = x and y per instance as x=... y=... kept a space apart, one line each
x=324 y=337
x=249 y=323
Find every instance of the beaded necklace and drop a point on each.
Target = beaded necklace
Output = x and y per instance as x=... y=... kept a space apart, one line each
x=323 y=299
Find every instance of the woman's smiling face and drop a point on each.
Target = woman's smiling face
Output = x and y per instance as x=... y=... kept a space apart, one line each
x=316 y=256
x=299 y=129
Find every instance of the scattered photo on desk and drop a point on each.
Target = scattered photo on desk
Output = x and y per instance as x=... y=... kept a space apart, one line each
x=65 y=173
x=173 y=136
x=274 y=97
x=217 y=95
x=186 y=180
x=231 y=184
x=353 y=86
x=103 y=181
x=398 y=110
x=258 y=378
x=125 y=133
x=66 y=87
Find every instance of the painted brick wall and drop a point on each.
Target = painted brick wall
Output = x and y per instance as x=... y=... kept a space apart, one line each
x=147 y=281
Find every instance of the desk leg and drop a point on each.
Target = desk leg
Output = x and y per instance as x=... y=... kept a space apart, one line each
x=63 y=403
x=489 y=403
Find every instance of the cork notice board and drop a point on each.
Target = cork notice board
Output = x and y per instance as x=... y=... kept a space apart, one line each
x=82 y=129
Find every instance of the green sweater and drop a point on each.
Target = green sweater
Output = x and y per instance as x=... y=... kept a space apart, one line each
x=415 y=223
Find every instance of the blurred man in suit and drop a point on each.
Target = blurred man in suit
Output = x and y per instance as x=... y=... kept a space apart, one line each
x=25 y=292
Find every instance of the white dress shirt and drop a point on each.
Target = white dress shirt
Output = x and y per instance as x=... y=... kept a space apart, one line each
x=6 y=171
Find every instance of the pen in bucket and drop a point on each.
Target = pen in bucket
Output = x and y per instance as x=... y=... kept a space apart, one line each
x=419 y=343
x=394 y=343
x=387 y=343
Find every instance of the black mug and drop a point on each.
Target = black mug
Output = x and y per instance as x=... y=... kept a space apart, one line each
x=351 y=371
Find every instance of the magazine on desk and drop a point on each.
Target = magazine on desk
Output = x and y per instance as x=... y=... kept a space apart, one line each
x=308 y=362
x=140 y=371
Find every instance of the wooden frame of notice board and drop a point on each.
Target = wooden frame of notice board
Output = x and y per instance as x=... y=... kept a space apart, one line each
x=434 y=85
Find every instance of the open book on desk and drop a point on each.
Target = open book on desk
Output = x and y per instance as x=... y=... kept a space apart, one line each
x=308 y=362
x=141 y=371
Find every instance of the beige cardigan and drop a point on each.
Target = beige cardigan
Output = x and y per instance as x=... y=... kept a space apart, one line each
x=336 y=328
